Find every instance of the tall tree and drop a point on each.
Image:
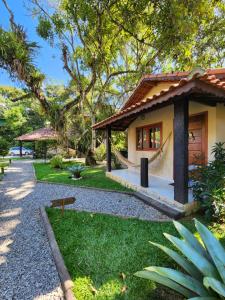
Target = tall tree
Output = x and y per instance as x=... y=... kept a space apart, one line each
x=107 y=44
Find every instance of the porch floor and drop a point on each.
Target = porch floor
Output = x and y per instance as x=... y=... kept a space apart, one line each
x=159 y=188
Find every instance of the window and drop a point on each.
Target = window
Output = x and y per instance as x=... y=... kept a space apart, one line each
x=149 y=137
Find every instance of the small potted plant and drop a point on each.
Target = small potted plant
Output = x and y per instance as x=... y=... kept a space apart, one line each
x=76 y=171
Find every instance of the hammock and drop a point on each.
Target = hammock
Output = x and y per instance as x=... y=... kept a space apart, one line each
x=128 y=163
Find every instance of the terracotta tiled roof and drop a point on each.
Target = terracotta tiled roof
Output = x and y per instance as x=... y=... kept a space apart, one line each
x=149 y=80
x=41 y=134
x=176 y=89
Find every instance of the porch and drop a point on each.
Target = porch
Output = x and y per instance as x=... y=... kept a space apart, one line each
x=159 y=189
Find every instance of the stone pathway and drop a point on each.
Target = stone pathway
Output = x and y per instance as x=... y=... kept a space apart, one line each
x=27 y=270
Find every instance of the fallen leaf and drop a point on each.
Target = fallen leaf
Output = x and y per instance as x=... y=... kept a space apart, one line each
x=124 y=289
x=93 y=290
x=122 y=275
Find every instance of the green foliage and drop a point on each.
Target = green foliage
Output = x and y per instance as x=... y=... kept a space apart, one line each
x=16 y=55
x=76 y=170
x=4 y=147
x=209 y=186
x=100 y=152
x=57 y=162
x=21 y=117
x=203 y=264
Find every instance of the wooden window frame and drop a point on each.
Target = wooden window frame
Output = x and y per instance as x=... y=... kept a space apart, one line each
x=148 y=127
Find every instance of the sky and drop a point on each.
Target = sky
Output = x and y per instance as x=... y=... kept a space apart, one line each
x=47 y=59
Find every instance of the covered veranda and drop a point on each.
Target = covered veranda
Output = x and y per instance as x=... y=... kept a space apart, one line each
x=205 y=89
x=43 y=134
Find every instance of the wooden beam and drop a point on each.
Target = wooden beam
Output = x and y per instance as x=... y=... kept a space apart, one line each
x=108 y=148
x=181 y=151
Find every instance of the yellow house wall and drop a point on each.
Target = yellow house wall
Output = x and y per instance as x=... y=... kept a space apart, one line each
x=157 y=88
x=163 y=165
x=220 y=123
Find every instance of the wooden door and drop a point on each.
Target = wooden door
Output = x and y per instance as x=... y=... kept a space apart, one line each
x=197 y=146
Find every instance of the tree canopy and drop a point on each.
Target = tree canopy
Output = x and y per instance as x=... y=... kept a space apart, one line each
x=106 y=46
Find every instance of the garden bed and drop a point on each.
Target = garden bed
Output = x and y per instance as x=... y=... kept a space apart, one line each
x=103 y=252
x=92 y=177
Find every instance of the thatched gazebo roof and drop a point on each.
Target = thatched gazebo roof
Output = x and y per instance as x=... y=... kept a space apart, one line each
x=42 y=134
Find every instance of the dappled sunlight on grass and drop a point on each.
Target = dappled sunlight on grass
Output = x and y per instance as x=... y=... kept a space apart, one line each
x=103 y=252
x=92 y=177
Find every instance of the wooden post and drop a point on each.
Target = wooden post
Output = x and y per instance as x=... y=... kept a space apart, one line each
x=21 y=148
x=144 y=172
x=34 y=154
x=181 y=116
x=45 y=151
x=63 y=204
x=108 y=148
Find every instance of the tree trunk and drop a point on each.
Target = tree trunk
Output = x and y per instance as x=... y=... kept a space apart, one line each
x=93 y=133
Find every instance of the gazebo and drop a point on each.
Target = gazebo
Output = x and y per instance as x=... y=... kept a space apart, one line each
x=42 y=134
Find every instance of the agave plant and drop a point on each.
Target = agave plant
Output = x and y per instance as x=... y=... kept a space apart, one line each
x=76 y=170
x=203 y=262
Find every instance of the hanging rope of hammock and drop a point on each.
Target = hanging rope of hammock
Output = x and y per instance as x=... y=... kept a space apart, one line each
x=128 y=163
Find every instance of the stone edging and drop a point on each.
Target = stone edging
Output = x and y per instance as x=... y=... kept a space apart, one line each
x=66 y=282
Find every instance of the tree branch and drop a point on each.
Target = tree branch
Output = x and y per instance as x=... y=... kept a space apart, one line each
x=22 y=97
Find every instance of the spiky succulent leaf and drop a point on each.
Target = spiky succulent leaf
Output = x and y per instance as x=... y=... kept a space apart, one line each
x=215 y=285
x=203 y=298
x=201 y=263
x=184 y=280
x=165 y=281
x=180 y=260
x=214 y=248
x=191 y=239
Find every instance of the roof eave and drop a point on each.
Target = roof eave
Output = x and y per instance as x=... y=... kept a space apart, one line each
x=183 y=90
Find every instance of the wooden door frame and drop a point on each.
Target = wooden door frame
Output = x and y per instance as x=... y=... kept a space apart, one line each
x=205 y=113
x=205 y=142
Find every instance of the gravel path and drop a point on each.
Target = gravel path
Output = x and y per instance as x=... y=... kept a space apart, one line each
x=27 y=270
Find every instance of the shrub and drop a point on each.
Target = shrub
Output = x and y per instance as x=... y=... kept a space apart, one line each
x=209 y=185
x=57 y=162
x=4 y=147
x=76 y=170
x=100 y=152
x=204 y=265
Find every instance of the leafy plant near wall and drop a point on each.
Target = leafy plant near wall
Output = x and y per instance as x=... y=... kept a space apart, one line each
x=209 y=185
x=204 y=265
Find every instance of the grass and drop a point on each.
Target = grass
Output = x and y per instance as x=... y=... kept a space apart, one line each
x=92 y=177
x=103 y=252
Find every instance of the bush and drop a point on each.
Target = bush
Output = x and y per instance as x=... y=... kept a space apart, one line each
x=4 y=147
x=100 y=152
x=209 y=185
x=76 y=170
x=203 y=263
x=57 y=162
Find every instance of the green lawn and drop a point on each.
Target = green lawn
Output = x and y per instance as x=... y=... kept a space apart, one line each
x=92 y=177
x=98 y=248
